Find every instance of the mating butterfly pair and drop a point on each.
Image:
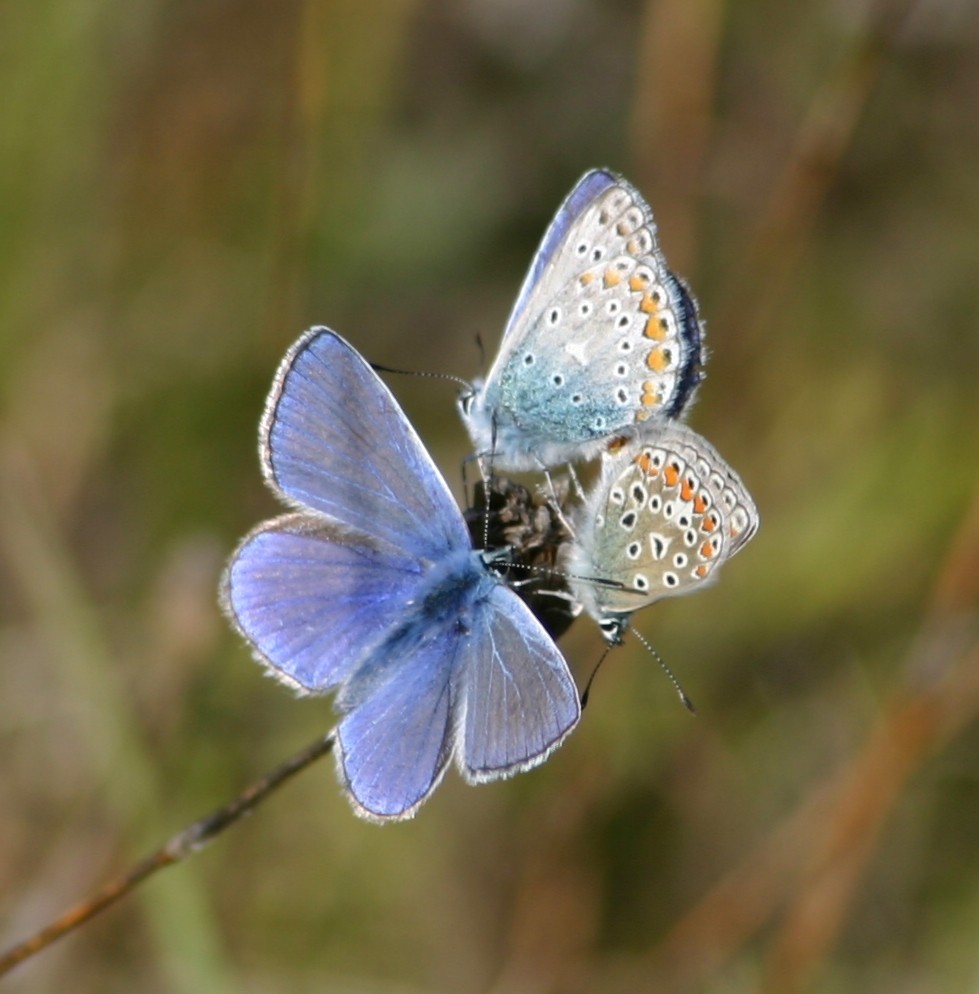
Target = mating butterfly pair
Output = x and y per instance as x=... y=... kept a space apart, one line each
x=372 y=586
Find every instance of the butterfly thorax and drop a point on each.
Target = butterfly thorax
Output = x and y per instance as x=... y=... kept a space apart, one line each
x=450 y=589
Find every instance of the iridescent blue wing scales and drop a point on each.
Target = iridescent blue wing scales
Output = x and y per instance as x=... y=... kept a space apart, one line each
x=373 y=588
x=314 y=600
x=520 y=698
x=334 y=440
x=394 y=746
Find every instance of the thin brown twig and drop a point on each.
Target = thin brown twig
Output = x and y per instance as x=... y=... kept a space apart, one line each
x=188 y=840
x=839 y=823
x=812 y=166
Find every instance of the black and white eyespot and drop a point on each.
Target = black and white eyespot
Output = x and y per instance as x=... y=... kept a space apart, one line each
x=558 y=380
x=656 y=503
x=658 y=546
x=729 y=499
x=633 y=549
x=625 y=345
x=622 y=396
x=668 y=509
x=597 y=253
x=680 y=560
x=612 y=308
x=633 y=217
x=644 y=241
x=628 y=521
x=576 y=398
x=639 y=495
x=529 y=359
x=554 y=316
x=599 y=424
x=616 y=495
x=671 y=579
x=623 y=322
x=640 y=583
x=585 y=308
x=622 y=369
x=690 y=537
x=683 y=521
x=581 y=248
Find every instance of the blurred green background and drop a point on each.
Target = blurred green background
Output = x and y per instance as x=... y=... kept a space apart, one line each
x=186 y=186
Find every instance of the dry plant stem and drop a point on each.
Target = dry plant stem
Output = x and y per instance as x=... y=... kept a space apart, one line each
x=912 y=730
x=177 y=848
x=811 y=168
x=940 y=697
x=678 y=40
x=838 y=825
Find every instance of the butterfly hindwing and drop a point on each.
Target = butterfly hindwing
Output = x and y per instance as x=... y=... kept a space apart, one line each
x=520 y=699
x=661 y=520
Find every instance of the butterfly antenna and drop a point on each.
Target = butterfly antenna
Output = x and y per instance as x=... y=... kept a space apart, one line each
x=378 y=368
x=687 y=703
x=591 y=679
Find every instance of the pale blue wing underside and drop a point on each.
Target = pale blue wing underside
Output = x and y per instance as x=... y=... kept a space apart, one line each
x=591 y=186
x=334 y=440
x=520 y=698
x=314 y=601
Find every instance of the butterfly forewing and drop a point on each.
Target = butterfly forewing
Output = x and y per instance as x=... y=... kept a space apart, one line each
x=334 y=440
x=604 y=338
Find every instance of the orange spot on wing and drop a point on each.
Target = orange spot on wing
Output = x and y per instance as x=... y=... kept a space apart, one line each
x=623 y=228
x=709 y=524
x=699 y=504
x=672 y=474
x=646 y=464
x=702 y=570
x=649 y=304
x=658 y=360
x=654 y=330
x=586 y=278
x=707 y=550
x=612 y=278
x=686 y=489
x=638 y=282
x=650 y=398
